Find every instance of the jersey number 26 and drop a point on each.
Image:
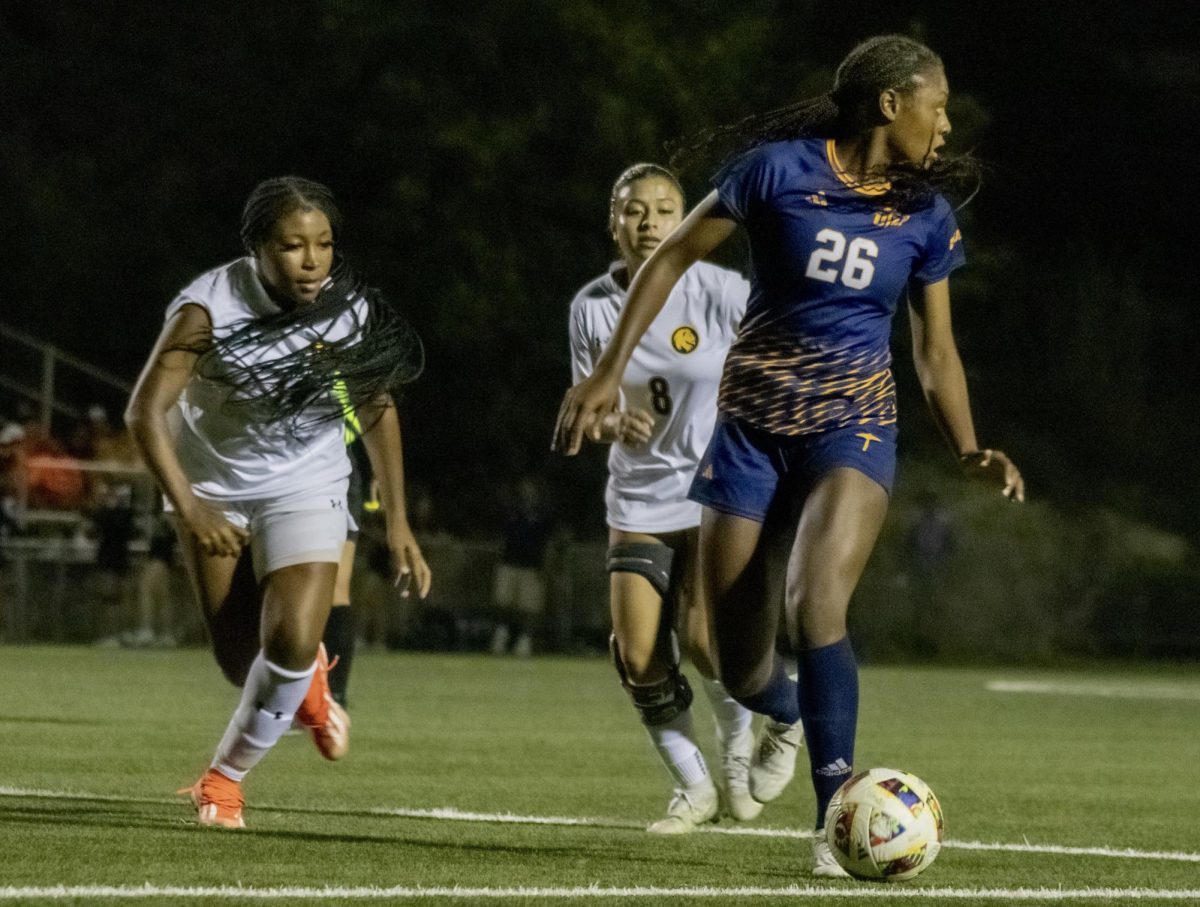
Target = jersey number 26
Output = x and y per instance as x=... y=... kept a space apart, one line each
x=856 y=271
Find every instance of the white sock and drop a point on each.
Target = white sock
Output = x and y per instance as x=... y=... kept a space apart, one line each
x=731 y=717
x=676 y=745
x=269 y=702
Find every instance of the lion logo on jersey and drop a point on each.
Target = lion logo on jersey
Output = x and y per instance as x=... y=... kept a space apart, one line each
x=685 y=339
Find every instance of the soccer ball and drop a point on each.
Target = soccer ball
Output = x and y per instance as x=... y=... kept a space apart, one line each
x=884 y=825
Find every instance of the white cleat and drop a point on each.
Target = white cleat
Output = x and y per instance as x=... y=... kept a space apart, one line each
x=687 y=810
x=735 y=764
x=775 y=762
x=824 y=864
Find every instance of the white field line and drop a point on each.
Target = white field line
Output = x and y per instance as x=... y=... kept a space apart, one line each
x=451 y=814
x=1096 y=688
x=857 y=892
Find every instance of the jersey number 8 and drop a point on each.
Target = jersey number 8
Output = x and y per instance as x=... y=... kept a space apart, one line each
x=660 y=395
x=858 y=269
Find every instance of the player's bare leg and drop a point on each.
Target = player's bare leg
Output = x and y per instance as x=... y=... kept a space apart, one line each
x=733 y=721
x=231 y=604
x=838 y=527
x=743 y=620
x=647 y=660
x=295 y=604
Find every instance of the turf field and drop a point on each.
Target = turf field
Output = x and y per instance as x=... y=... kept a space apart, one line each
x=480 y=780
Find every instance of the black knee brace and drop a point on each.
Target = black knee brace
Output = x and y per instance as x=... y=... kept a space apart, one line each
x=657 y=702
x=645 y=559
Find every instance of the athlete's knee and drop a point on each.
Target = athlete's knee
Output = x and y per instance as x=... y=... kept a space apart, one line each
x=638 y=665
x=660 y=700
x=291 y=647
x=644 y=661
x=821 y=620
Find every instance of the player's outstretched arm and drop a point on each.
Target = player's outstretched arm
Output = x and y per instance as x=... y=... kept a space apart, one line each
x=385 y=450
x=940 y=371
x=596 y=395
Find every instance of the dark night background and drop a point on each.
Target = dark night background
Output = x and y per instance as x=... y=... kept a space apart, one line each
x=472 y=147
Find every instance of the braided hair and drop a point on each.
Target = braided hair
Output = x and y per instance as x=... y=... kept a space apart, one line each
x=632 y=174
x=376 y=358
x=851 y=107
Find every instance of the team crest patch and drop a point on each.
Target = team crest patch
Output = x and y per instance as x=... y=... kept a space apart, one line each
x=685 y=339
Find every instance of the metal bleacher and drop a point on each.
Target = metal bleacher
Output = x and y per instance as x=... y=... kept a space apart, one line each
x=44 y=557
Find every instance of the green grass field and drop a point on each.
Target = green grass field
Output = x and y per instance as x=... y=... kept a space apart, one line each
x=496 y=775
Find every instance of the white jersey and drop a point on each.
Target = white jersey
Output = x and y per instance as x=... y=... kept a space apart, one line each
x=674 y=375
x=225 y=452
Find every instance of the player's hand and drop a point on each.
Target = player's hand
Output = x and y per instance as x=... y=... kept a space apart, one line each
x=411 y=570
x=994 y=467
x=631 y=426
x=216 y=535
x=583 y=408
x=634 y=427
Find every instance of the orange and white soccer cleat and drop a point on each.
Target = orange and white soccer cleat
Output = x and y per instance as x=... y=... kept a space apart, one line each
x=328 y=721
x=218 y=800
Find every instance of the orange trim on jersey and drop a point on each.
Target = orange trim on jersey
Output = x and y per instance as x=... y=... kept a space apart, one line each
x=840 y=172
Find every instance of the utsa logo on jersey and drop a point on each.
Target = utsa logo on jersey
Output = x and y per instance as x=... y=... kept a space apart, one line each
x=890 y=217
x=684 y=339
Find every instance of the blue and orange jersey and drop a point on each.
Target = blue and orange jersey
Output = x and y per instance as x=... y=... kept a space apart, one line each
x=829 y=266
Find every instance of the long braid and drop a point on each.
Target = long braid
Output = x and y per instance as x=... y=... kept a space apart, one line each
x=378 y=356
x=877 y=64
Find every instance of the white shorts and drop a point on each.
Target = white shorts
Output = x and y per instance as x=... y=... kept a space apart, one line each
x=307 y=528
x=632 y=515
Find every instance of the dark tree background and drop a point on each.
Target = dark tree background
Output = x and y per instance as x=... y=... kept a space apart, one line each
x=472 y=146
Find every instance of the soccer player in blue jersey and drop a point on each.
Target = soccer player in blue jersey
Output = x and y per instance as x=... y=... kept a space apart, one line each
x=841 y=197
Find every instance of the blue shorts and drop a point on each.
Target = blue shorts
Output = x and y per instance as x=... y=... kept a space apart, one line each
x=744 y=466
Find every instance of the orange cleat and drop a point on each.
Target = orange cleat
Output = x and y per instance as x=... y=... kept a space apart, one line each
x=218 y=800
x=328 y=721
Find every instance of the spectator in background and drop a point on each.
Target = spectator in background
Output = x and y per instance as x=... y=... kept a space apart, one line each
x=108 y=443
x=931 y=541
x=156 y=610
x=12 y=468
x=81 y=441
x=113 y=522
x=519 y=591
x=50 y=484
x=12 y=457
